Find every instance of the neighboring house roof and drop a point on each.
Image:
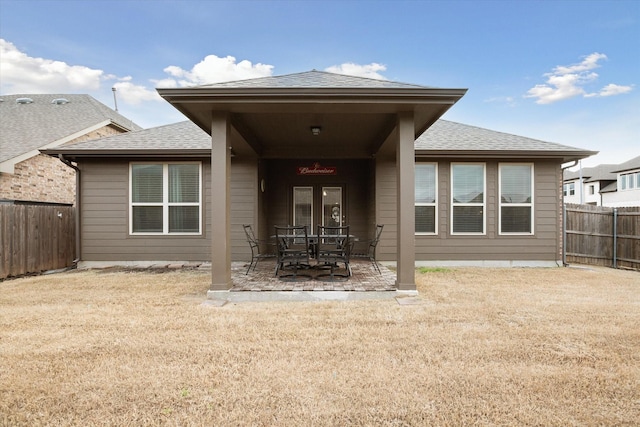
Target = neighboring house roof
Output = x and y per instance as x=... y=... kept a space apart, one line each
x=592 y=174
x=313 y=79
x=186 y=138
x=27 y=127
x=628 y=165
x=445 y=138
x=611 y=188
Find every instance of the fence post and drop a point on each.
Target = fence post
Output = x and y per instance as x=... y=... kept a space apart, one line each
x=564 y=234
x=615 y=237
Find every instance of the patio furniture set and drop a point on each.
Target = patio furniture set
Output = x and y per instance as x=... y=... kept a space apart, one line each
x=300 y=255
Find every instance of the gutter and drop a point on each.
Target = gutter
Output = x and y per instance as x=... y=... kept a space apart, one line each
x=78 y=209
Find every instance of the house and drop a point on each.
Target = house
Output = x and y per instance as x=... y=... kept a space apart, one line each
x=604 y=185
x=29 y=123
x=289 y=149
x=583 y=186
x=625 y=190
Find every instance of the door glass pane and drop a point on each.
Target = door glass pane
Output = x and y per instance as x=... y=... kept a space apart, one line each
x=331 y=206
x=303 y=207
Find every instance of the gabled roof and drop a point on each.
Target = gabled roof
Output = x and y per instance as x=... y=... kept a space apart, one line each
x=187 y=139
x=445 y=138
x=628 y=165
x=593 y=174
x=313 y=79
x=26 y=127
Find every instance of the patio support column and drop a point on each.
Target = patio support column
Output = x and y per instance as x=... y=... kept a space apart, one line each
x=220 y=202
x=405 y=169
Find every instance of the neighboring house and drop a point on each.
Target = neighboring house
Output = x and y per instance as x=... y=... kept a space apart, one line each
x=604 y=185
x=583 y=186
x=289 y=149
x=625 y=191
x=29 y=123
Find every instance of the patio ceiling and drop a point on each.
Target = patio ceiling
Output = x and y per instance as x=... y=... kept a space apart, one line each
x=276 y=122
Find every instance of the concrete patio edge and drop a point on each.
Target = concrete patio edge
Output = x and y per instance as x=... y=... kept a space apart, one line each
x=268 y=296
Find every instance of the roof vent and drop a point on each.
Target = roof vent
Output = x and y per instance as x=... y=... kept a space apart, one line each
x=60 y=101
x=24 y=100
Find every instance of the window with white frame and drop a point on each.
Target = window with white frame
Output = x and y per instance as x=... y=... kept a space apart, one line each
x=569 y=189
x=468 y=198
x=629 y=181
x=165 y=198
x=426 y=194
x=516 y=198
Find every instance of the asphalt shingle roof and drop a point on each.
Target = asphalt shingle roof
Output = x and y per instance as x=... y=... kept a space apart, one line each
x=628 y=165
x=448 y=136
x=27 y=127
x=181 y=136
x=314 y=79
x=601 y=172
x=442 y=136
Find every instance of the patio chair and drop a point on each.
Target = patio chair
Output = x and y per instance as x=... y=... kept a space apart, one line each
x=293 y=251
x=256 y=245
x=370 y=245
x=333 y=247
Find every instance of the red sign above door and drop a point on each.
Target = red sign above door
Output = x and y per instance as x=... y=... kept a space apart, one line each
x=317 y=169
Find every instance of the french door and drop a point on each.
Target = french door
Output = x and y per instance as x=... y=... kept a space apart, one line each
x=314 y=205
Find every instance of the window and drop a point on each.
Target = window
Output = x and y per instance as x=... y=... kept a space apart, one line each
x=426 y=196
x=516 y=198
x=467 y=198
x=165 y=198
x=569 y=189
x=592 y=189
x=623 y=182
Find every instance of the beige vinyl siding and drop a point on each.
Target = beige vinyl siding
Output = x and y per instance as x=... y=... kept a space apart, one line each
x=541 y=246
x=105 y=215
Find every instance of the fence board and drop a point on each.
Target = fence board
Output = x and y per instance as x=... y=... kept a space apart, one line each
x=35 y=239
x=590 y=235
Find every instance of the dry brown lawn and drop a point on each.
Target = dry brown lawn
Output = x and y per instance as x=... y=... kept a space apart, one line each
x=482 y=347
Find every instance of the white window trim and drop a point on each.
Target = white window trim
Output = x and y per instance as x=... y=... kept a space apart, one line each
x=434 y=204
x=628 y=181
x=165 y=200
x=484 y=200
x=500 y=204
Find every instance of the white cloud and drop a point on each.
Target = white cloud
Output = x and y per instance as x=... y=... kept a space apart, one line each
x=566 y=82
x=24 y=74
x=611 y=90
x=134 y=94
x=351 y=69
x=213 y=69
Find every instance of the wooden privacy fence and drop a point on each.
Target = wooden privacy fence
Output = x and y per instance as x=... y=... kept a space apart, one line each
x=35 y=239
x=602 y=236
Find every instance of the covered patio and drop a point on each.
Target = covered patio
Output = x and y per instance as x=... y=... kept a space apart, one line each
x=267 y=133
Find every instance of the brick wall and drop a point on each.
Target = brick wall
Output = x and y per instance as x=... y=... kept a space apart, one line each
x=40 y=178
x=46 y=179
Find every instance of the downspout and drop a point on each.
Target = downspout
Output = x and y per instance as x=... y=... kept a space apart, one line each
x=564 y=216
x=77 y=220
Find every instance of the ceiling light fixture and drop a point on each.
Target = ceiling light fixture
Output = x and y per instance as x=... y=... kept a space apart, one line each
x=315 y=130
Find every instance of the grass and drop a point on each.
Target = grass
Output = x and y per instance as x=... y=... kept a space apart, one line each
x=483 y=346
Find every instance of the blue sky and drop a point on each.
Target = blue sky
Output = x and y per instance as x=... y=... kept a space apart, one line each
x=559 y=71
